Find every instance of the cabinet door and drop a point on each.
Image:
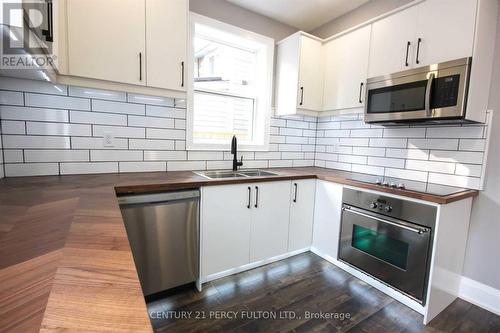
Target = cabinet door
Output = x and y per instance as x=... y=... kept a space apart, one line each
x=106 y=40
x=445 y=29
x=346 y=70
x=225 y=219
x=270 y=219
x=301 y=214
x=287 y=75
x=389 y=43
x=327 y=213
x=166 y=43
x=310 y=89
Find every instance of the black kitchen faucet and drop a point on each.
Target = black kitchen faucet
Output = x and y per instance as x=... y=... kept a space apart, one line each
x=234 y=151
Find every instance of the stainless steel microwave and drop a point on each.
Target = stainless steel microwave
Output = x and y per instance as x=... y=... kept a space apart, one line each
x=435 y=93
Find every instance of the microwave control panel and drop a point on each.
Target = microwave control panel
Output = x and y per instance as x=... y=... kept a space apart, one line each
x=445 y=91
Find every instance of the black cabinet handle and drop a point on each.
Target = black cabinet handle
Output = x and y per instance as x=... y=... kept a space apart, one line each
x=295 y=195
x=407 y=51
x=49 y=33
x=256 y=197
x=182 y=74
x=140 y=66
x=361 y=91
x=301 y=95
x=249 y=196
x=418 y=50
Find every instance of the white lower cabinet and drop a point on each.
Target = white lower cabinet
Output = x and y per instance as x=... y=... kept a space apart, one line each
x=327 y=213
x=226 y=221
x=270 y=219
x=301 y=214
x=251 y=223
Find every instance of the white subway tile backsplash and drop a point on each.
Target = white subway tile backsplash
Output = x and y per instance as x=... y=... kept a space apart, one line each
x=88 y=168
x=280 y=164
x=11 y=98
x=118 y=107
x=215 y=165
x=368 y=151
x=297 y=124
x=13 y=156
x=142 y=166
x=337 y=133
x=441 y=167
x=13 y=127
x=289 y=147
x=412 y=154
x=146 y=144
x=290 y=131
x=372 y=170
x=119 y=131
x=64 y=129
x=457 y=156
x=115 y=155
x=255 y=164
x=452 y=180
x=302 y=163
x=156 y=133
x=470 y=170
x=247 y=155
x=97 y=143
x=31 y=169
x=56 y=155
x=445 y=144
x=386 y=162
x=163 y=155
x=151 y=100
x=32 y=86
x=292 y=156
x=185 y=165
x=404 y=132
x=97 y=94
x=338 y=166
x=367 y=133
x=472 y=144
x=472 y=132
x=34 y=114
x=267 y=155
x=297 y=139
x=167 y=112
x=154 y=122
x=352 y=159
x=180 y=124
x=42 y=142
x=418 y=176
x=388 y=143
x=205 y=155
x=97 y=118
x=355 y=142
x=56 y=102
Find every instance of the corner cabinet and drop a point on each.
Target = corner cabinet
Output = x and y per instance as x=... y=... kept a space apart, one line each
x=247 y=225
x=136 y=42
x=346 y=70
x=299 y=75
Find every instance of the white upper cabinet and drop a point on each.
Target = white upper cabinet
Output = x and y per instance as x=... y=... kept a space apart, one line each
x=139 y=42
x=445 y=30
x=106 y=40
x=346 y=70
x=301 y=214
x=392 y=43
x=431 y=32
x=299 y=75
x=166 y=43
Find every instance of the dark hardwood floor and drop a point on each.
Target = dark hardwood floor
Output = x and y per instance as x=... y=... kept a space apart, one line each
x=295 y=287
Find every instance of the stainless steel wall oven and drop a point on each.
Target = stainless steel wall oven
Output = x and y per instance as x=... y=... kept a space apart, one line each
x=389 y=239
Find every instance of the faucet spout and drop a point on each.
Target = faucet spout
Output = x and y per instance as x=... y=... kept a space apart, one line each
x=234 y=151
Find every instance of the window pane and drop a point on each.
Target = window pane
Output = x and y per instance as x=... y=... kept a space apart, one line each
x=218 y=117
x=224 y=68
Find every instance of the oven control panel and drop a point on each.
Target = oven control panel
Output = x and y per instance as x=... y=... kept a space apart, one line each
x=381 y=205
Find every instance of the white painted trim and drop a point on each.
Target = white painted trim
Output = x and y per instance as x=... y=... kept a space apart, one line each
x=264 y=102
x=252 y=265
x=412 y=304
x=480 y=294
x=489 y=124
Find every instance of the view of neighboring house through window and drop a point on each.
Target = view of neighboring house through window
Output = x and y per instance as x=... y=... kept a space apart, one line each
x=232 y=74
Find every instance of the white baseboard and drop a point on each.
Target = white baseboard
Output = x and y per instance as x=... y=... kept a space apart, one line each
x=480 y=294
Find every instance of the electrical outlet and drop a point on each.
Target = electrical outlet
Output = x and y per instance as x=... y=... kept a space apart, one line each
x=109 y=139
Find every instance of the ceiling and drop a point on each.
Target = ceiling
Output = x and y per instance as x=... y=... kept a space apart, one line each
x=304 y=15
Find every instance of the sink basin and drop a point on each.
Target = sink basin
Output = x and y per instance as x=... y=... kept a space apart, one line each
x=234 y=174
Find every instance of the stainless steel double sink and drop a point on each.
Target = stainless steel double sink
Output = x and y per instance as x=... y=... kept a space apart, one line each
x=234 y=174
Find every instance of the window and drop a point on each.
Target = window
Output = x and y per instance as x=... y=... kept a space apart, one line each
x=231 y=86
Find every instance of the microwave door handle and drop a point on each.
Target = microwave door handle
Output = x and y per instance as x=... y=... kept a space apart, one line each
x=428 y=111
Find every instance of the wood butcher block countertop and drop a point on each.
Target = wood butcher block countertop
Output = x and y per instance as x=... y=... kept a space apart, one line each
x=65 y=260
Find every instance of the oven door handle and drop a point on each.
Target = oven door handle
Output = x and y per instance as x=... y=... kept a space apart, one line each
x=428 y=111
x=419 y=231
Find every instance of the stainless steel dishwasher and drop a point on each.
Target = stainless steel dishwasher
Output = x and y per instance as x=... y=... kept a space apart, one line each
x=163 y=231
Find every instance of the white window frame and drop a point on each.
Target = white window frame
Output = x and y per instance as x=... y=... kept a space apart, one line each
x=263 y=107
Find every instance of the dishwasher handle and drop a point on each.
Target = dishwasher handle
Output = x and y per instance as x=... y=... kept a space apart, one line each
x=158 y=197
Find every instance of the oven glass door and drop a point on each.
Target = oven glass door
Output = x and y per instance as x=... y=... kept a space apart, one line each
x=388 y=249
